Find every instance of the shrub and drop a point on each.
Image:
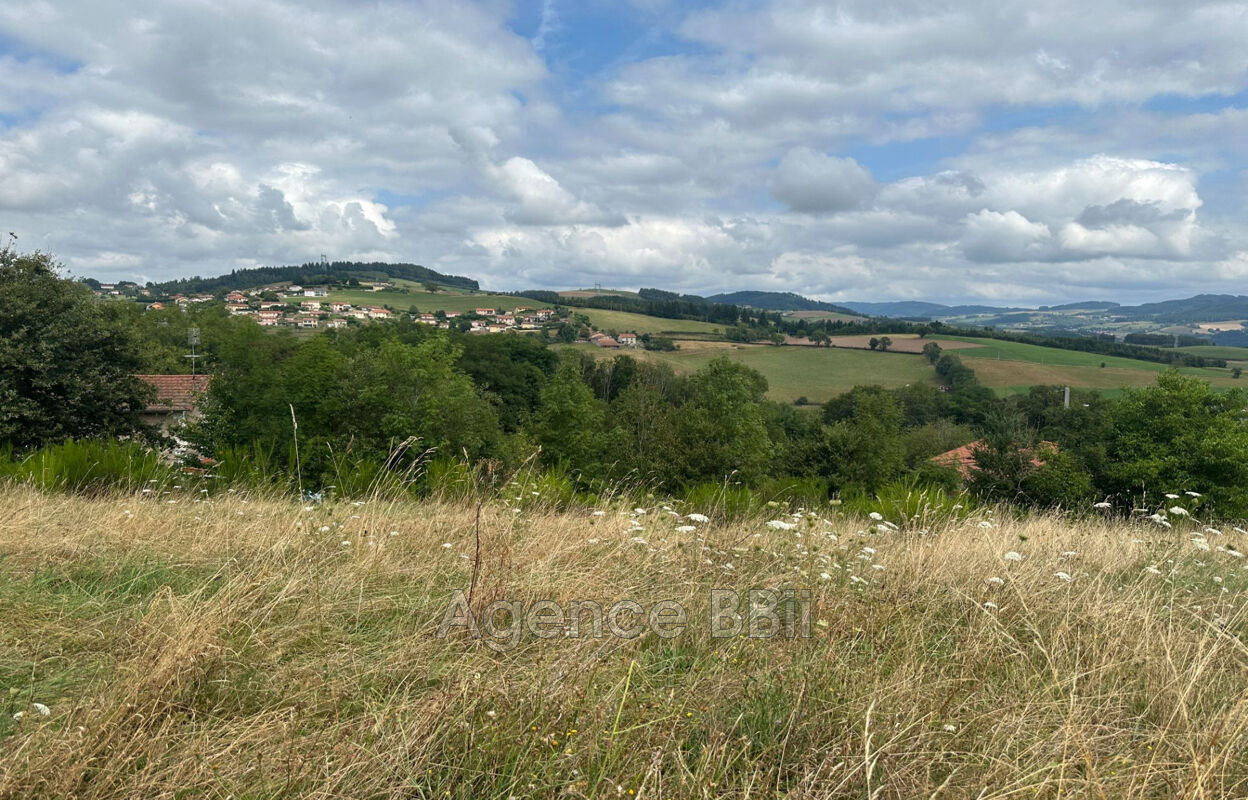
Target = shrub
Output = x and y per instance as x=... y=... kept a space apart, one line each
x=90 y=467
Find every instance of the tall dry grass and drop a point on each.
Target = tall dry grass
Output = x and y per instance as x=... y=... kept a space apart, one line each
x=256 y=648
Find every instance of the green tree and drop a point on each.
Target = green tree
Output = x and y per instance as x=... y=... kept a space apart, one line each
x=885 y=342
x=570 y=425
x=398 y=391
x=1180 y=435
x=931 y=351
x=721 y=426
x=66 y=360
x=862 y=441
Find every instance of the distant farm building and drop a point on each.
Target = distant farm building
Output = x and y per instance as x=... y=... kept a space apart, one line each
x=603 y=340
x=963 y=458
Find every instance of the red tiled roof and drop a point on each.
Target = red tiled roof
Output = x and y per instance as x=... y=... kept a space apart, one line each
x=176 y=392
x=963 y=458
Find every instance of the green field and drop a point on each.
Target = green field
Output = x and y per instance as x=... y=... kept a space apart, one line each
x=626 y=321
x=820 y=315
x=1214 y=351
x=792 y=372
x=1007 y=367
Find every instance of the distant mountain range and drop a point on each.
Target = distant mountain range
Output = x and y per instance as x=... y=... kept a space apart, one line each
x=919 y=308
x=1200 y=308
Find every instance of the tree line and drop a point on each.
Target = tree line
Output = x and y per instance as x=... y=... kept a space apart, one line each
x=396 y=397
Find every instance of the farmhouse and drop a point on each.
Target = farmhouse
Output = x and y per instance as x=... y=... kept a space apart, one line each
x=628 y=339
x=963 y=458
x=485 y=312
x=603 y=340
x=177 y=398
x=316 y=291
x=338 y=308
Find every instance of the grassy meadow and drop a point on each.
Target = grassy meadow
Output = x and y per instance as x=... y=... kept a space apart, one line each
x=163 y=646
x=816 y=373
x=623 y=321
x=819 y=373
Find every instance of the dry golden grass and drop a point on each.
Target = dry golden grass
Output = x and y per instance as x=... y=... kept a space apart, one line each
x=257 y=649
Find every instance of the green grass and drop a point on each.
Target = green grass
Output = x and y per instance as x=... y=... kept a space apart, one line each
x=1006 y=367
x=820 y=315
x=1215 y=351
x=792 y=372
x=1034 y=354
x=627 y=321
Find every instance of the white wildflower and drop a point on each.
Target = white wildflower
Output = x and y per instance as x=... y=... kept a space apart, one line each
x=996 y=581
x=447 y=545
x=346 y=542
x=949 y=728
x=823 y=576
x=1192 y=494
x=1065 y=576
x=698 y=518
x=990 y=605
x=1013 y=556
x=1178 y=511
x=1152 y=569
x=598 y=514
x=685 y=528
x=780 y=525
x=1103 y=504
x=877 y=516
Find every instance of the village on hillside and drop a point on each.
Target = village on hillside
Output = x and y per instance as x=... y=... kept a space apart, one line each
x=315 y=307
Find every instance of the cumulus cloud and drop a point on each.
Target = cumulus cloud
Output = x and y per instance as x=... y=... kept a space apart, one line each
x=1009 y=236
x=813 y=182
x=955 y=151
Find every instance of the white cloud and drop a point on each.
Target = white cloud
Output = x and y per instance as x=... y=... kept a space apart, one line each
x=947 y=150
x=813 y=182
x=994 y=236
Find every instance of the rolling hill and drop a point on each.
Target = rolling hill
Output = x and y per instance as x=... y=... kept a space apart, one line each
x=777 y=301
x=332 y=272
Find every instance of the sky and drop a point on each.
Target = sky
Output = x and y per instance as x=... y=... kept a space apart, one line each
x=986 y=151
